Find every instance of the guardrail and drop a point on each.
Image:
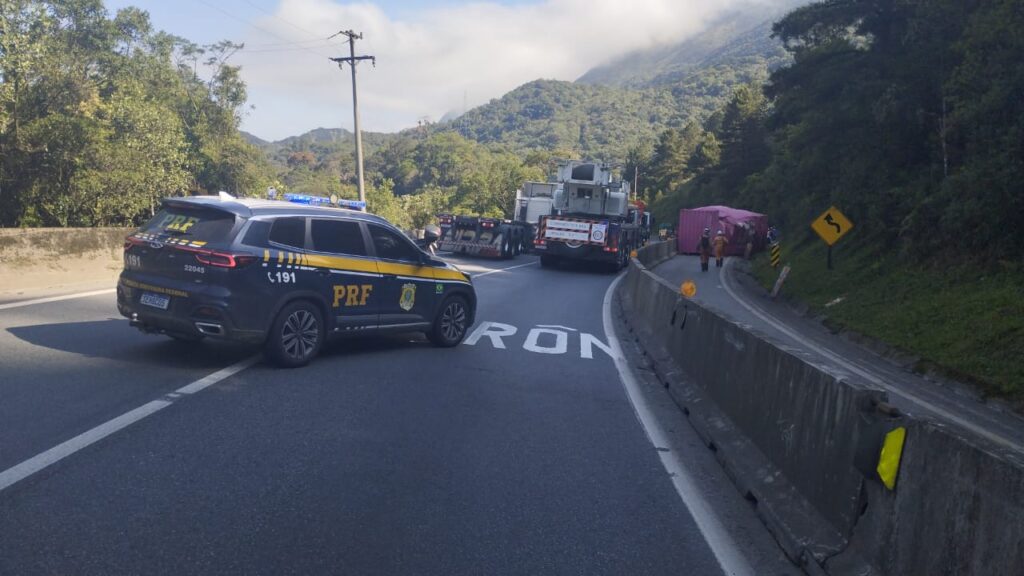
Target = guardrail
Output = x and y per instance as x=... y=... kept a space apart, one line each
x=807 y=448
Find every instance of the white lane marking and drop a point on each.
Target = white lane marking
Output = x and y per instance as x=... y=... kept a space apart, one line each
x=729 y=556
x=493 y=330
x=475 y=276
x=557 y=327
x=532 y=343
x=877 y=381
x=59 y=452
x=56 y=298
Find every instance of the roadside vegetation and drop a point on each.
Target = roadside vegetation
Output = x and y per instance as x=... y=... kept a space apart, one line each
x=962 y=321
x=102 y=116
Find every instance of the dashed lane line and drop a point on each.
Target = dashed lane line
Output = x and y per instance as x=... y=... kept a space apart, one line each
x=45 y=459
x=495 y=271
x=35 y=301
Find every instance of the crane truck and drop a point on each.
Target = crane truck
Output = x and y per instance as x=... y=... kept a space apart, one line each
x=593 y=219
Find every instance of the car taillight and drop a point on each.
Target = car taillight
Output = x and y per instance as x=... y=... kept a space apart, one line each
x=225 y=259
x=129 y=242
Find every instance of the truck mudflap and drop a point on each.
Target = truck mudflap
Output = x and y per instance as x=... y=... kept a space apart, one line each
x=488 y=237
x=475 y=248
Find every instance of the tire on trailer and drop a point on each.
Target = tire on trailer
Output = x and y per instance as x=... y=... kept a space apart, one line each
x=452 y=322
x=505 y=247
x=296 y=335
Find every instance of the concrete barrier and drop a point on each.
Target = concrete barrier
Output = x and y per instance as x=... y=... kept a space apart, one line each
x=804 y=446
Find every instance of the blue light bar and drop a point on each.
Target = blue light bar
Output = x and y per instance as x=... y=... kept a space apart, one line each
x=323 y=201
x=353 y=204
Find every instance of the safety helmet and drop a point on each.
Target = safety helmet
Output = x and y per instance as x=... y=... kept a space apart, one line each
x=707 y=230
x=720 y=232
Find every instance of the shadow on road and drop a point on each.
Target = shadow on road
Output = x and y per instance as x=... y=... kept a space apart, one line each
x=340 y=347
x=580 y=267
x=115 y=340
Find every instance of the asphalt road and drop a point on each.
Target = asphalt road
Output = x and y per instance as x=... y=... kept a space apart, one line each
x=735 y=295
x=518 y=452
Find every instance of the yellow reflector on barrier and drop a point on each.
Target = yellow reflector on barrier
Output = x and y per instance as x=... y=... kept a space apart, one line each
x=889 y=460
x=688 y=289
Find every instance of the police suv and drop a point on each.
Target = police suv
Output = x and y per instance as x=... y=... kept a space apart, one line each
x=285 y=276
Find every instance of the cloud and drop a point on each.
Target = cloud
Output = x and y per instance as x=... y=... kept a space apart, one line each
x=433 y=60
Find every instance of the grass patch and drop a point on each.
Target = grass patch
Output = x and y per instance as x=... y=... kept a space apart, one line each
x=966 y=321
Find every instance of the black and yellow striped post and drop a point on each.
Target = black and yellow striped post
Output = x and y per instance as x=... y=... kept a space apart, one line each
x=776 y=254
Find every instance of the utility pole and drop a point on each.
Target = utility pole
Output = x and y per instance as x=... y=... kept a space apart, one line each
x=352 y=60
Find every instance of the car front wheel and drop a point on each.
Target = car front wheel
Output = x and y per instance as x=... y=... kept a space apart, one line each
x=451 y=323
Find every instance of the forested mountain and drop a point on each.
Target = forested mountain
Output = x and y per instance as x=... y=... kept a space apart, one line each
x=737 y=39
x=573 y=119
x=624 y=105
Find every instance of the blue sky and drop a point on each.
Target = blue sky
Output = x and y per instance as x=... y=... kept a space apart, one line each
x=433 y=56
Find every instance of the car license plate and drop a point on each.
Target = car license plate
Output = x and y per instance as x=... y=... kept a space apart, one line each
x=155 y=300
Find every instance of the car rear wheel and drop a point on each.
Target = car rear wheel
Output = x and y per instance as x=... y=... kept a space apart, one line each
x=296 y=335
x=451 y=323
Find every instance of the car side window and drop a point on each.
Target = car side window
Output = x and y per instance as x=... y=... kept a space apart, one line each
x=289 y=232
x=337 y=237
x=257 y=234
x=392 y=246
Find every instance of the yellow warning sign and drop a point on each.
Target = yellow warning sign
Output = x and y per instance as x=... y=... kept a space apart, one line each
x=832 y=225
x=633 y=254
x=688 y=289
x=889 y=460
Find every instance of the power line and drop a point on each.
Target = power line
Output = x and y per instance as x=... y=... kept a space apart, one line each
x=288 y=49
x=295 y=43
x=250 y=24
x=273 y=15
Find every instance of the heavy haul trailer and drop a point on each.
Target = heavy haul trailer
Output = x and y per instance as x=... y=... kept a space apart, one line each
x=489 y=237
x=594 y=219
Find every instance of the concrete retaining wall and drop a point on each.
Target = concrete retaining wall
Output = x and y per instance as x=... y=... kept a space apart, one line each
x=23 y=246
x=804 y=446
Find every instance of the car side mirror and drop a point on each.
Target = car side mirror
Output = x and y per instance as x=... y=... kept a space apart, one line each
x=431 y=234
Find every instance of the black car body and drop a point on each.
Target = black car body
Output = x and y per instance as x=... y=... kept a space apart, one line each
x=286 y=276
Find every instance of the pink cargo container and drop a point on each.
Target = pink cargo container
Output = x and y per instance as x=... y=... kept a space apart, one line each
x=730 y=220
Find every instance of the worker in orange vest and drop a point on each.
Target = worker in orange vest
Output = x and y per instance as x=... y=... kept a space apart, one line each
x=720 y=243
